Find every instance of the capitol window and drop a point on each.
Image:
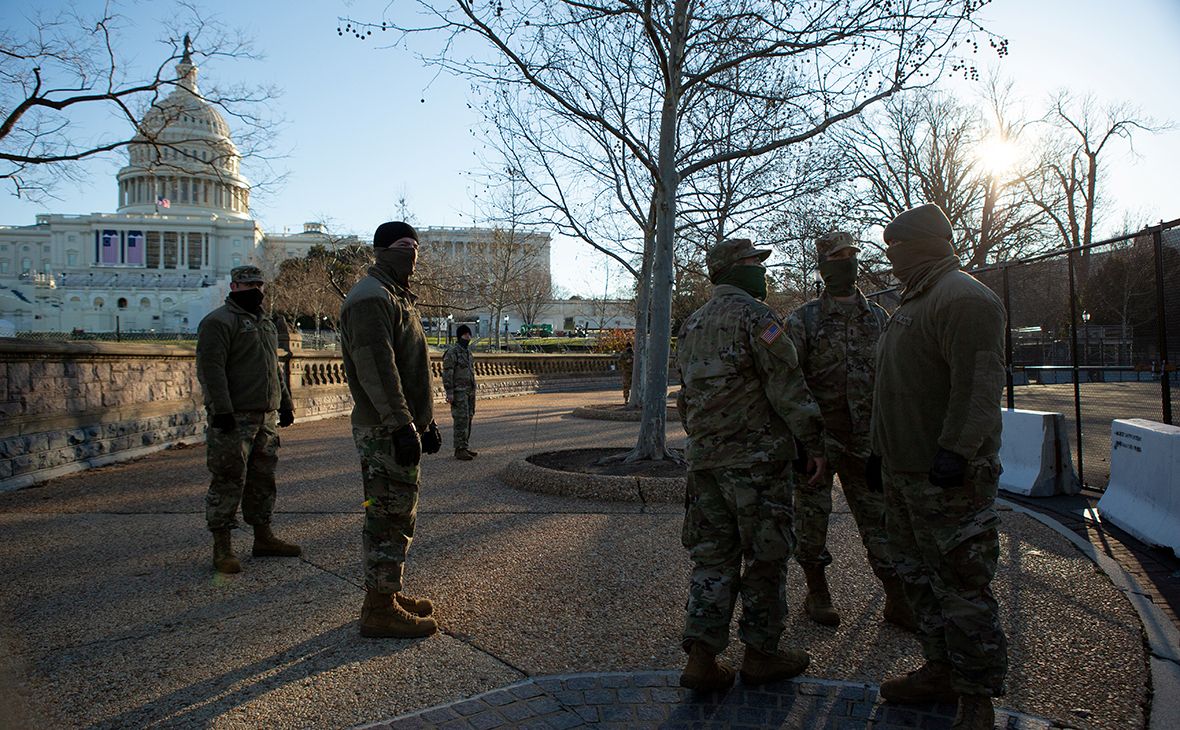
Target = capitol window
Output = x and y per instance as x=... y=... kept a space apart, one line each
x=98 y=302
x=145 y=302
x=122 y=303
x=3 y=267
x=72 y=258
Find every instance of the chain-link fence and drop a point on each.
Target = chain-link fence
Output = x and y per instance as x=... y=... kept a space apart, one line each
x=1093 y=333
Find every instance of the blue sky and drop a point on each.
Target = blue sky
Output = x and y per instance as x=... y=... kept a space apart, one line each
x=369 y=126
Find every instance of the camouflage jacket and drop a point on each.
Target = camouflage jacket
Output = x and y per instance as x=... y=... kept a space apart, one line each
x=744 y=393
x=626 y=361
x=458 y=369
x=940 y=372
x=238 y=362
x=385 y=355
x=837 y=347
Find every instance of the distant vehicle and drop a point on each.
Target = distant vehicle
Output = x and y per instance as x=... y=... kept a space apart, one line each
x=536 y=330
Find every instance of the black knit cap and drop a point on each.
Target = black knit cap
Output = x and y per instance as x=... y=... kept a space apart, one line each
x=387 y=233
x=463 y=330
x=925 y=221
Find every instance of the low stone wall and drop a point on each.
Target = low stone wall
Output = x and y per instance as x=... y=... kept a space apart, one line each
x=69 y=406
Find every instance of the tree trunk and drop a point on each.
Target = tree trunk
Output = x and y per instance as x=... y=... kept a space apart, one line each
x=643 y=295
x=652 y=439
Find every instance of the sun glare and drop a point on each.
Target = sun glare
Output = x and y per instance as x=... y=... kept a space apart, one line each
x=999 y=155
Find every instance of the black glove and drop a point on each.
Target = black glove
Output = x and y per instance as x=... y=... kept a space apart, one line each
x=800 y=462
x=224 y=422
x=286 y=417
x=948 y=470
x=431 y=439
x=873 y=474
x=407 y=449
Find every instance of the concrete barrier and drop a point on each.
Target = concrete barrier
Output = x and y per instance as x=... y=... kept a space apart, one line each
x=1036 y=456
x=1143 y=496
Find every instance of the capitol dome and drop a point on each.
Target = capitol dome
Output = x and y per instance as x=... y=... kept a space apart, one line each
x=183 y=158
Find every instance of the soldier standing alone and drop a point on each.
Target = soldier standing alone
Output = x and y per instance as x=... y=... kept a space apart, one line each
x=459 y=384
x=388 y=368
x=743 y=397
x=936 y=424
x=836 y=338
x=626 y=366
x=246 y=397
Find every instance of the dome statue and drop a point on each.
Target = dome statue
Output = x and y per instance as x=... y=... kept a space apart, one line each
x=183 y=159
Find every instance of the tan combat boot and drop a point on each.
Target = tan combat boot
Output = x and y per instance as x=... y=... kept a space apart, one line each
x=267 y=545
x=975 y=713
x=759 y=668
x=930 y=683
x=383 y=617
x=818 y=603
x=464 y=455
x=417 y=606
x=897 y=606
x=704 y=673
x=224 y=560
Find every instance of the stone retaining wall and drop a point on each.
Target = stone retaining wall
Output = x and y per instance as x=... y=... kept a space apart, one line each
x=68 y=406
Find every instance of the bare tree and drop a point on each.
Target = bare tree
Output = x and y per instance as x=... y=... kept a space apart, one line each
x=620 y=77
x=532 y=296
x=1081 y=130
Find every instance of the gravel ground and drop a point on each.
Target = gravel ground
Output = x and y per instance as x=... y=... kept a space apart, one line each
x=113 y=617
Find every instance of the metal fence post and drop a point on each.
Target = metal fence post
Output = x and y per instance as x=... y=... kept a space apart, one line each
x=1008 y=342
x=1157 y=239
x=1077 y=395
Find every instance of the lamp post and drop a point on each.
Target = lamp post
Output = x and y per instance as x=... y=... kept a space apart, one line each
x=818 y=279
x=450 y=320
x=1086 y=335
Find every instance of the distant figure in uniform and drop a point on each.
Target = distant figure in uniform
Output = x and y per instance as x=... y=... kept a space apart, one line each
x=936 y=424
x=388 y=368
x=626 y=364
x=742 y=398
x=836 y=338
x=247 y=400
x=459 y=384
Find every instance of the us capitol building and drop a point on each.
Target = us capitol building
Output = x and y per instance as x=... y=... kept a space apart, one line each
x=161 y=262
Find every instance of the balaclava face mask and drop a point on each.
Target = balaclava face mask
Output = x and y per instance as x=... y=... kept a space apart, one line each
x=464 y=342
x=912 y=259
x=839 y=276
x=248 y=299
x=398 y=261
x=750 y=279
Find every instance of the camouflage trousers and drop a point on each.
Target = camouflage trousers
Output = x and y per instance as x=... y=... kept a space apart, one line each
x=391 y=508
x=242 y=463
x=626 y=386
x=813 y=510
x=945 y=545
x=462 y=412
x=731 y=513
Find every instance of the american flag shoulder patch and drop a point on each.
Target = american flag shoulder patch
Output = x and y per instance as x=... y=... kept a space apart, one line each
x=771 y=333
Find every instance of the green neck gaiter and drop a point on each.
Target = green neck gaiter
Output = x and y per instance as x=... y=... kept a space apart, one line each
x=750 y=279
x=464 y=342
x=912 y=259
x=839 y=276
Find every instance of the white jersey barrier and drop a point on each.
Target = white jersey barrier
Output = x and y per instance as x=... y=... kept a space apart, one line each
x=1035 y=454
x=1143 y=496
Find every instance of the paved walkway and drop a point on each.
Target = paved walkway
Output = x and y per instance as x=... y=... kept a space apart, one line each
x=555 y=612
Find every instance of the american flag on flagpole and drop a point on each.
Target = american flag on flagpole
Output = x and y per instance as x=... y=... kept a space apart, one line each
x=163 y=202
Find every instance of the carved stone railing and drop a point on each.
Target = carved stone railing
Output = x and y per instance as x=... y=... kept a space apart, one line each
x=68 y=406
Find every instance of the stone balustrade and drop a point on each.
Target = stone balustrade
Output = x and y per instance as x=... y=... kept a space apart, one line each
x=68 y=406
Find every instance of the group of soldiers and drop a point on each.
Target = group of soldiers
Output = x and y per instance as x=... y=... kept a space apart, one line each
x=387 y=364
x=904 y=409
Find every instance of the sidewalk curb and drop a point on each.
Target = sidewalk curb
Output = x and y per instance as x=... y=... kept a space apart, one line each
x=1163 y=637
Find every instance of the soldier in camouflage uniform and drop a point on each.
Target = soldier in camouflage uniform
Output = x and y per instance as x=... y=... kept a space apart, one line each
x=626 y=367
x=836 y=338
x=936 y=424
x=459 y=384
x=742 y=397
x=388 y=369
x=246 y=398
